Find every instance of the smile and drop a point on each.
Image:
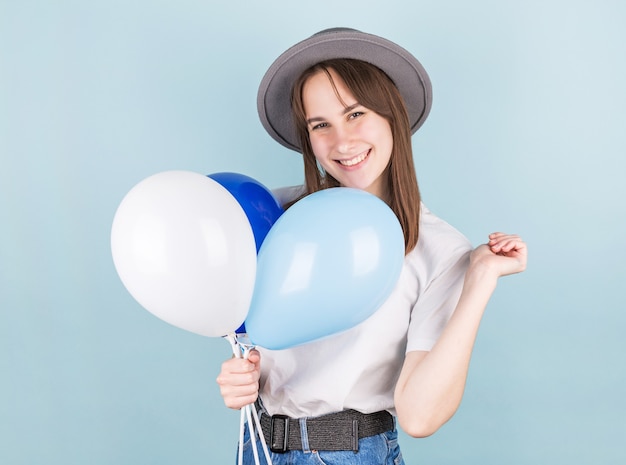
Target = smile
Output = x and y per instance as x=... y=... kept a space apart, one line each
x=356 y=160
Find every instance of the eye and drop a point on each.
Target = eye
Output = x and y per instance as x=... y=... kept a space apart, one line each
x=318 y=126
x=355 y=114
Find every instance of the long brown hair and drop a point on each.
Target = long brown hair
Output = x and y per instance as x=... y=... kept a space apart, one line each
x=373 y=89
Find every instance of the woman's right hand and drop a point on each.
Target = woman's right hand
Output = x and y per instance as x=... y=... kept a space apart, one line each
x=239 y=380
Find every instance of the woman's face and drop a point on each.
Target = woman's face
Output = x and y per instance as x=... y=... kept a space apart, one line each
x=352 y=143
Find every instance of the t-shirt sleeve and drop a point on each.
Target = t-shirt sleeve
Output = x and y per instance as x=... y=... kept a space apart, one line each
x=443 y=261
x=286 y=194
x=435 y=306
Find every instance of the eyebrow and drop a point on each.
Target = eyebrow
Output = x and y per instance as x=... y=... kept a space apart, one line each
x=346 y=110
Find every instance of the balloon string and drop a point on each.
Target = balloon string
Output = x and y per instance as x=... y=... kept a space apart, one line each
x=241 y=350
x=262 y=436
x=242 y=421
x=246 y=352
x=247 y=408
x=231 y=338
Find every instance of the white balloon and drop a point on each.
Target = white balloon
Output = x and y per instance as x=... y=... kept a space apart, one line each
x=184 y=249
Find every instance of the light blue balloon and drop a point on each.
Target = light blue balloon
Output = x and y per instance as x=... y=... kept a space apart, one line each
x=327 y=264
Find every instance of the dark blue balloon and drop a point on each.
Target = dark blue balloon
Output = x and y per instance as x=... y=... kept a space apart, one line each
x=257 y=201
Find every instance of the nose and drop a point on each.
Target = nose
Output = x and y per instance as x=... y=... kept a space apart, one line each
x=344 y=139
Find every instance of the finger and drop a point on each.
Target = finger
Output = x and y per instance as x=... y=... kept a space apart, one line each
x=512 y=242
x=498 y=236
x=508 y=245
x=232 y=388
x=228 y=380
x=235 y=391
x=240 y=402
x=254 y=356
x=238 y=365
x=228 y=373
x=516 y=245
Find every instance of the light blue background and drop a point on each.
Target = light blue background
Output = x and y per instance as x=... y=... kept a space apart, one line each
x=527 y=134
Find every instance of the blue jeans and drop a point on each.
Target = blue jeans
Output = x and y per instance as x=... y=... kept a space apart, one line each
x=382 y=449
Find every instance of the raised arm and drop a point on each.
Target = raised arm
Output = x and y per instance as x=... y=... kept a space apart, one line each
x=431 y=384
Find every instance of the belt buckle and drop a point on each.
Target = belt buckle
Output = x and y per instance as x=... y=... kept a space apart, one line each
x=279 y=448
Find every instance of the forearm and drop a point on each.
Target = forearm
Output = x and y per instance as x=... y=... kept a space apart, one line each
x=431 y=386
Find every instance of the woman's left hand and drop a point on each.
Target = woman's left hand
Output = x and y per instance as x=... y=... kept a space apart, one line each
x=503 y=255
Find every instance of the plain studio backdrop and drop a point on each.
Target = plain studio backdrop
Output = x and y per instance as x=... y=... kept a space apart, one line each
x=527 y=134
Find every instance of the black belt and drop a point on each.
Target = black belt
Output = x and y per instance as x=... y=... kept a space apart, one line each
x=334 y=432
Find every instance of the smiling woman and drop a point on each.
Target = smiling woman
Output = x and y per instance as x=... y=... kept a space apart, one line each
x=355 y=101
x=374 y=110
x=350 y=142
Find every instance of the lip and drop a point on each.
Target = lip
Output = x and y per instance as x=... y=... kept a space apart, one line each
x=354 y=161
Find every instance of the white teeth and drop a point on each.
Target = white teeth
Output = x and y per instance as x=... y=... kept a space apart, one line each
x=354 y=160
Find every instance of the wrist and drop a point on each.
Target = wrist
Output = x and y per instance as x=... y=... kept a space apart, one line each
x=480 y=274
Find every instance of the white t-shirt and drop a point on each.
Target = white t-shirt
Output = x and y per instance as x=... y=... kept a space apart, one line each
x=358 y=368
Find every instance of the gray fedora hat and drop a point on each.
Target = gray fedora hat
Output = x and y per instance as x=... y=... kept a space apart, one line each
x=274 y=96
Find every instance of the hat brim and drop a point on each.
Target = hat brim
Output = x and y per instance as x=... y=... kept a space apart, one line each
x=274 y=96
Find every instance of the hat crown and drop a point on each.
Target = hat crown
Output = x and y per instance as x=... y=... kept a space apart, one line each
x=335 y=29
x=274 y=95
